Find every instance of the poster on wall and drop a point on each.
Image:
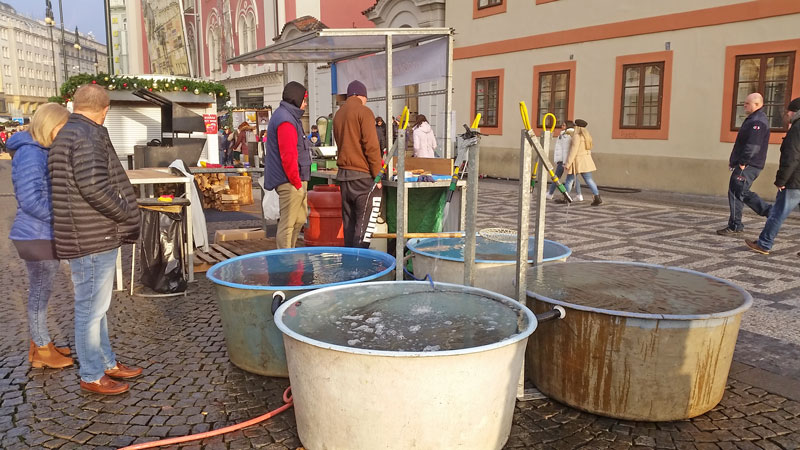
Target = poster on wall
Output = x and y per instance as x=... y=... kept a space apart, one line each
x=263 y=120
x=238 y=118
x=166 y=37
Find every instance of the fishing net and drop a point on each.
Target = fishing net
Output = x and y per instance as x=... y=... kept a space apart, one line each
x=499 y=234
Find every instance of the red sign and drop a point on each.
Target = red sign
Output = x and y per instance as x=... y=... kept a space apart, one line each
x=211 y=123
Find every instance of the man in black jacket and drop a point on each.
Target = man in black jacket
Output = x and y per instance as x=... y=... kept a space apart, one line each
x=94 y=213
x=746 y=162
x=787 y=180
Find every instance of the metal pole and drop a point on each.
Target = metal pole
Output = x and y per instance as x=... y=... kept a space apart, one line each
x=401 y=222
x=472 y=213
x=63 y=50
x=523 y=225
x=448 y=100
x=541 y=201
x=109 y=44
x=53 y=50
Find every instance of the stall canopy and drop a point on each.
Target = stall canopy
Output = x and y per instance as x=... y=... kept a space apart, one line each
x=349 y=47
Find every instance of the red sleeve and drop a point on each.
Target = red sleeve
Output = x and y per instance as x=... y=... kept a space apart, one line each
x=287 y=145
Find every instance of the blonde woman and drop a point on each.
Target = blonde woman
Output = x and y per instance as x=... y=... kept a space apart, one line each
x=580 y=160
x=32 y=231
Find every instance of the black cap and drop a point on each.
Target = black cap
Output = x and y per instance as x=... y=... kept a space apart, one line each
x=356 y=88
x=581 y=123
x=794 y=105
x=294 y=93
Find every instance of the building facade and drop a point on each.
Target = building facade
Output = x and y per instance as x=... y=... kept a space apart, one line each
x=662 y=84
x=29 y=73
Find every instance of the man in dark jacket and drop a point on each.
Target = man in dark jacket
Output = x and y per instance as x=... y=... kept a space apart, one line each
x=787 y=180
x=288 y=165
x=94 y=213
x=746 y=162
x=359 y=162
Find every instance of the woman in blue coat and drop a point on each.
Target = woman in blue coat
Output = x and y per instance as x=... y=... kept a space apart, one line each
x=32 y=231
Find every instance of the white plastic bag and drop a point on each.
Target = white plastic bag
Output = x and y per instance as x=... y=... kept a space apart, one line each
x=270 y=202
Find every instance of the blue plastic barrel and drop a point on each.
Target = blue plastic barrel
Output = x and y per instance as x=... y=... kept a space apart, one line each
x=248 y=285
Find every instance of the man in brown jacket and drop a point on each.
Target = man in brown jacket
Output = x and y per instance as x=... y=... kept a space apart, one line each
x=359 y=162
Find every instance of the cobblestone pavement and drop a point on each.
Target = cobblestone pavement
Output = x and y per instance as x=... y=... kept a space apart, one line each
x=189 y=385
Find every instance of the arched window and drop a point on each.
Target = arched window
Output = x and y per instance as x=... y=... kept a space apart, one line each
x=251 y=31
x=241 y=30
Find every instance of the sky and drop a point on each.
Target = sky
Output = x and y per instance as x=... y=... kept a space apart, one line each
x=87 y=15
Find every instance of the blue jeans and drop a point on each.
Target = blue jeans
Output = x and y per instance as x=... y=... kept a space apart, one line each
x=785 y=202
x=93 y=278
x=40 y=276
x=587 y=178
x=739 y=194
x=559 y=170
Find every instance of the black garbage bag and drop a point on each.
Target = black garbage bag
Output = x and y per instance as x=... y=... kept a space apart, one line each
x=162 y=255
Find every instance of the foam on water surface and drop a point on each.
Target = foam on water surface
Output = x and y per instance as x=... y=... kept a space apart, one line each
x=411 y=321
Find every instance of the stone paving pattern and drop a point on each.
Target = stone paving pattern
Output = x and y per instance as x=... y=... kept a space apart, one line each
x=189 y=384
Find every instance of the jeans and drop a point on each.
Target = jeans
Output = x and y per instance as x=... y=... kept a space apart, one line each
x=93 y=277
x=739 y=194
x=40 y=276
x=587 y=178
x=559 y=170
x=785 y=202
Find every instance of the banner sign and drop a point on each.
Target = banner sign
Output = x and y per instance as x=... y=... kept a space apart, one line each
x=211 y=123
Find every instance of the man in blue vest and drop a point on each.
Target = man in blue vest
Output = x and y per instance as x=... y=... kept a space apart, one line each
x=288 y=163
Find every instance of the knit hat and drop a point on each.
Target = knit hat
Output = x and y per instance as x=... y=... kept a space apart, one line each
x=581 y=123
x=294 y=93
x=356 y=88
x=794 y=105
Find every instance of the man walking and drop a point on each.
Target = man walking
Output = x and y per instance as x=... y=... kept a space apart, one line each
x=746 y=162
x=94 y=213
x=288 y=166
x=359 y=162
x=787 y=180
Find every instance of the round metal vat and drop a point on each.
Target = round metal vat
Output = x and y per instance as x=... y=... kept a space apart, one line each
x=639 y=341
x=248 y=285
x=402 y=365
x=495 y=262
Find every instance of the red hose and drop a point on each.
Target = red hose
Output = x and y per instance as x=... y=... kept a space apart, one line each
x=193 y=437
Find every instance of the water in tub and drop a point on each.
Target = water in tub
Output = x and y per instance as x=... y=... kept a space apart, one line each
x=411 y=321
x=300 y=269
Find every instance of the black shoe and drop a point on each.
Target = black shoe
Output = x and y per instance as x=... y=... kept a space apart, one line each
x=728 y=232
x=597 y=201
x=755 y=247
x=560 y=200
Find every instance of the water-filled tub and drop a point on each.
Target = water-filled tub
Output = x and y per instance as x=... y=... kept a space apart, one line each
x=495 y=262
x=639 y=341
x=247 y=284
x=402 y=365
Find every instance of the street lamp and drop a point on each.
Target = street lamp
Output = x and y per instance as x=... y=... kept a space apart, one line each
x=63 y=49
x=77 y=46
x=50 y=22
x=95 y=62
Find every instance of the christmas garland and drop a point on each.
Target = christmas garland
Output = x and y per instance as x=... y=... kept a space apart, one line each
x=129 y=83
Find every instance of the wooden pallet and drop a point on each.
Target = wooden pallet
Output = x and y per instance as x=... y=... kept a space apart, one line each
x=230 y=249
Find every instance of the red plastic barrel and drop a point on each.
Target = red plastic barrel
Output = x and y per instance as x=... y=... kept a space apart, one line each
x=324 y=226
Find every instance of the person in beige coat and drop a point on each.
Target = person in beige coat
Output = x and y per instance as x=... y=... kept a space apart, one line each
x=580 y=160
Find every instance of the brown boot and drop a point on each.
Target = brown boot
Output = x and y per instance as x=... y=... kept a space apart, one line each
x=49 y=356
x=597 y=201
x=63 y=350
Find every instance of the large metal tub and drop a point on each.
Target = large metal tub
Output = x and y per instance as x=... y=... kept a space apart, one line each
x=248 y=286
x=354 y=389
x=495 y=262
x=639 y=341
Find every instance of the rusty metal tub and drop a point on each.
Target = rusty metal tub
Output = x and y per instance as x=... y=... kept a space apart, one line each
x=639 y=341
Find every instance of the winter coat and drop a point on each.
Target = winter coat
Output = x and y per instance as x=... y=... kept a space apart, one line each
x=561 y=151
x=94 y=206
x=580 y=155
x=381 y=130
x=34 y=218
x=752 y=141
x=354 y=131
x=789 y=167
x=424 y=141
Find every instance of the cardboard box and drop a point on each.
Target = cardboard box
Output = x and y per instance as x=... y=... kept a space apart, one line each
x=239 y=234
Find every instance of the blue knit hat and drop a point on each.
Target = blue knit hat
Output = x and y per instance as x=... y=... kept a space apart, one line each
x=356 y=88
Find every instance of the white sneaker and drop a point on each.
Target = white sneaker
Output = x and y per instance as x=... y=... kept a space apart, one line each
x=549 y=196
x=579 y=198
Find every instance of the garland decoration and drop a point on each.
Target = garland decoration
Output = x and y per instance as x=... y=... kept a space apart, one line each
x=130 y=83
